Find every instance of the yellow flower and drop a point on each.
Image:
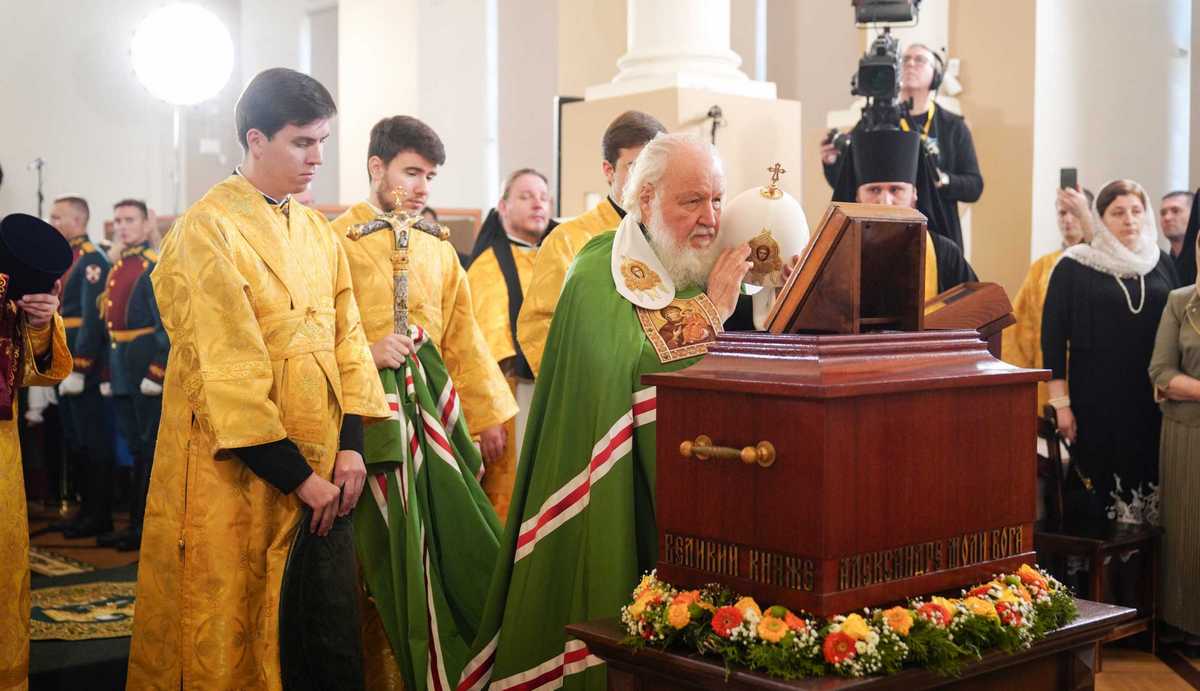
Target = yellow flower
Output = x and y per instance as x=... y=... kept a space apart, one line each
x=705 y=604
x=856 y=627
x=771 y=629
x=898 y=619
x=639 y=605
x=950 y=605
x=747 y=603
x=677 y=615
x=980 y=607
x=1009 y=595
x=648 y=581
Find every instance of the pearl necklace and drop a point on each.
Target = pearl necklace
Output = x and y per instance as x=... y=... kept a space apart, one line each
x=1128 y=299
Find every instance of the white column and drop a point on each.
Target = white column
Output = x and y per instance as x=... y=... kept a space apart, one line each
x=679 y=44
x=1110 y=112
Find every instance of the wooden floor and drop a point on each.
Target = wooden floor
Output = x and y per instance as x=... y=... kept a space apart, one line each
x=1125 y=668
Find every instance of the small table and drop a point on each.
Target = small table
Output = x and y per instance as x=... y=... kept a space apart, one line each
x=1116 y=539
x=1062 y=660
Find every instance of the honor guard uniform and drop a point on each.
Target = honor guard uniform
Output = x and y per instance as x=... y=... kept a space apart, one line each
x=85 y=415
x=136 y=366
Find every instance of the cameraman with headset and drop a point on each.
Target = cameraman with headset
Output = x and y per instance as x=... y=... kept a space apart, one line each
x=945 y=137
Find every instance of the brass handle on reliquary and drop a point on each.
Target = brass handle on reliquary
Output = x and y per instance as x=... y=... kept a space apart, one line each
x=702 y=448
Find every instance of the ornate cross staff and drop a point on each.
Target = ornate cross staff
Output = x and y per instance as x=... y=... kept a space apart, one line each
x=400 y=222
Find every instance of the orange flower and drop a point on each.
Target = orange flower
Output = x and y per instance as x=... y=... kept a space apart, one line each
x=686 y=598
x=898 y=619
x=838 y=647
x=725 y=620
x=794 y=622
x=748 y=604
x=1030 y=576
x=771 y=629
x=678 y=616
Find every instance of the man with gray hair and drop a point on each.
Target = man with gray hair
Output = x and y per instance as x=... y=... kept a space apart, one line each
x=648 y=297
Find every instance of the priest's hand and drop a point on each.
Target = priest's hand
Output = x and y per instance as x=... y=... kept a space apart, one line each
x=389 y=352
x=725 y=279
x=350 y=474
x=492 y=442
x=321 y=496
x=1066 y=424
x=39 y=308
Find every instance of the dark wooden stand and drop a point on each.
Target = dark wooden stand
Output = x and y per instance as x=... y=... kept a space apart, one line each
x=1145 y=538
x=1064 y=660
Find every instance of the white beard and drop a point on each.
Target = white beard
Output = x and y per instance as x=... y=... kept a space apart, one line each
x=688 y=267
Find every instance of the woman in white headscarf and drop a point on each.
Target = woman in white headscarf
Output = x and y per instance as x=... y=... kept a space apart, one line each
x=1175 y=373
x=1101 y=314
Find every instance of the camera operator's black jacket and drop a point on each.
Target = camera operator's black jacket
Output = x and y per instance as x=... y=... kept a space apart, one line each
x=956 y=157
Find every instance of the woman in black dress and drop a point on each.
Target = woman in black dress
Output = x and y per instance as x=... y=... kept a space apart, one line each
x=1101 y=314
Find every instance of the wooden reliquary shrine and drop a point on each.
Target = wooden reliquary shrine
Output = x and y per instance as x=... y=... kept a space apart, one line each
x=860 y=464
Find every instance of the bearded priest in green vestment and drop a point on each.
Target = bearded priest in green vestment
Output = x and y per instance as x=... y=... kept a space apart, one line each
x=646 y=297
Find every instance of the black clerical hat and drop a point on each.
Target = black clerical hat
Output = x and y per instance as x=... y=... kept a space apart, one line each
x=885 y=156
x=33 y=255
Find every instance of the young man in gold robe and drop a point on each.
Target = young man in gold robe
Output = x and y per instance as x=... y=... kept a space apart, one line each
x=406 y=153
x=32 y=330
x=501 y=266
x=258 y=462
x=622 y=142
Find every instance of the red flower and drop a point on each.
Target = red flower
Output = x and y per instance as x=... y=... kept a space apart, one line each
x=1008 y=614
x=934 y=613
x=725 y=620
x=981 y=591
x=838 y=647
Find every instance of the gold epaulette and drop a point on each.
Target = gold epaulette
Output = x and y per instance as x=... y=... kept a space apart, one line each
x=87 y=247
x=151 y=254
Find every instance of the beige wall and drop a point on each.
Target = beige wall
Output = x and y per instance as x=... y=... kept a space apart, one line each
x=758 y=134
x=1195 y=97
x=591 y=36
x=995 y=42
x=528 y=83
x=812 y=49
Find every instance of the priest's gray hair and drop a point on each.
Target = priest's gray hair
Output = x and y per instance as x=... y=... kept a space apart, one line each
x=651 y=166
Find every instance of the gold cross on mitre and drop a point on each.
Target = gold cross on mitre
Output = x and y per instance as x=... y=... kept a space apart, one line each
x=772 y=191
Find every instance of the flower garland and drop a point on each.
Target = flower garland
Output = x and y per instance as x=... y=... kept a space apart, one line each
x=1008 y=613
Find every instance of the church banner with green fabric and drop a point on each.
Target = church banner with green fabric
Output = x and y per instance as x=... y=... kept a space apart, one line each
x=426 y=534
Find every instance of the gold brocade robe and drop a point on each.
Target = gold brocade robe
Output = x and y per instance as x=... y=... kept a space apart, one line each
x=439 y=301
x=931 y=270
x=491 y=311
x=14 y=523
x=266 y=343
x=1021 y=343
x=554 y=257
